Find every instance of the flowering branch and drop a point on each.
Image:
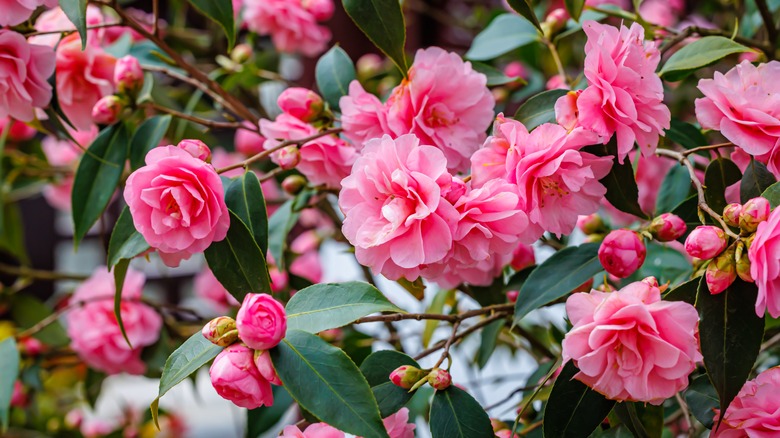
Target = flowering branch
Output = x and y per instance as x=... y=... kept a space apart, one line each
x=439 y=345
x=213 y=124
x=37 y=274
x=707 y=148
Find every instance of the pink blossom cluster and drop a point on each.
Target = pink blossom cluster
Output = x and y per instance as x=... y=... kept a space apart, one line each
x=292 y=24
x=397 y=426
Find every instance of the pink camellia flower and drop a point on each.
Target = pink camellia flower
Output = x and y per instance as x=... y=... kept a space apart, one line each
x=395 y=212
x=741 y=105
x=764 y=254
x=83 y=77
x=95 y=332
x=54 y=19
x=325 y=160
x=24 y=84
x=445 y=103
x=308 y=264
x=64 y=153
x=107 y=110
x=261 y=321
x=19 y=131
x=622 y=252
x=566 y=112
x=210 y=289
x=523 y=257
x=363 y=116
x=266 y=367
x=630 y=345
x=667 y=227
x=624 y=95
x=177 y=203
x=398 y=425
x=705 y=242
x=301 y=103
x=248 y=142
x=316 y=430
x=18 y=11
x=196 y=148
x=292 y=25
x=755 y=412
x=128 y=75
x=556 y=82
x=235 y=377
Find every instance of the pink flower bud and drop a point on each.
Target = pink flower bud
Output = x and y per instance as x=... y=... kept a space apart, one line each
x=266 y=367
x=406 y=376
x=128 y=75
x=241 y=53
x=555 y=21
x=731 y=214
x=522 y=257
x=235 y=377
x=293 y=184
x=107 y=110
x=289 y=157
x=221 y=331
x=301 y=103
x=30 y=346
x=196 y=148
x=261 y=321
x=369 y=65
x=439 y=379
x=667 y=227
x=320 y=9
x=590 y=224
x=515 y=69
x=721 y=272
x=743 y=268
x=512 y=296
x=753 y=213
x=705 y=242
x=18 y=397
x=622 y=252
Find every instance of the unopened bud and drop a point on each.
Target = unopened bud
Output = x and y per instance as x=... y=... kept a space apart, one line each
x=321 y=10
x=196 y=148
x=590 y=224
x=406 y=376
x=128 y=75
x=731 y=214
x=705 y=242
x=667 y=227
x=301 y=103
x=439 y=379
x=522 y=257
x=293 y=184
x=753 y=213
x=721 y=272
x=512 y=296
x=107 y=110
x=221 y=331
x=241 y=53
x=30 y=346
x=369 y=65
x=289 y=157
x=555 y=22
x=622 y=252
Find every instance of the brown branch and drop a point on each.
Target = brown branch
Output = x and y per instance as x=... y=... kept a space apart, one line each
x=213 y=124
x=69 y=31
x=446 y=353
x=439 y=345
x=37 y=274
x=769 y=22
x=707 y=148
x=503 y=308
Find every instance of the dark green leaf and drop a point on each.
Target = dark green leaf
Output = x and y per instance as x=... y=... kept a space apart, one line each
x=488 y=343
x=9 y=363
x=505 y=33
x=685 y=134
x=455 y=414
x=539 y=109
x=325 y=382
x=557 y=277
x=93 y=384
x=688 y=211
x=622 y=191
x=126 y=242
x=383 y=23
x=279 y=226
x=76 y=11
x=674 y=190
x=489 y=295
x=573 y=410
x=27 y=311
x=330 y=305
x=193 y=354
x=575 y=8
x=262 y=419
x=698 y=54
x=377 y=368
x=244 y=197
x=221 y=12
x=120 y=271
x=664 y=263
x=96 y=178
x=685 y=292
x=642 y=419
x=772 y=194
x=731 y=335
x=334 y=72
x=237 y=261
x=523 y=7
x=720 y=174
x=702 y=400
x=756 y=181
x=12 y=233
x=147 y=137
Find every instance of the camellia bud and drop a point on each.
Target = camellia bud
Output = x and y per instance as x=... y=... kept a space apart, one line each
x=622 y=252
x=128 y=75
x=406 y=376
x=321 y=10
x=522 y=257
x=289 y=157
x=731 y=214
x=301 y=103
x=667 y=227
x=439 y=379
x=753 y=213
x=743 y=269
x=266 y=367
x=721 y=272
x=221 y=331
x=512 y=296
x=369 y=65
x=555 y=22
x=107 y=110
x=705 y=242
x=196 y=148
x=293 y=184
x=590 y=224
x=241 y=53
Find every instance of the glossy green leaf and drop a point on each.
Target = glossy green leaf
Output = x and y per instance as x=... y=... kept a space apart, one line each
x=221 y=12
x=330 y=305
x=334 y=72
x=147 y=137
x=262 y=419
x=279 y=226
x=699 y=54
x=622 y=190
x=26 y=311
x=574 y=7
x=120 y=272
x=237 y=261
x=557 y=277
x=702 y=400
x=126 y=242
x=504 y=34
x=76 y=11
x=685 y=134
x=325 y=382
x=12 y=233
x=720 y=174
x=664 y=263
x=756 y=181
x=488 y=343
x=675 y=189
x=685 y=292
x=383 y=23
x=9 y=363
x=641 y=419
x=772 y=194
x=193 y=354
x=523 y=7
x=97 y=177
x=455 y=414
x=377 y=368
x=244 y=197
x=539 y=109
x=573 y=410
x=731 y=335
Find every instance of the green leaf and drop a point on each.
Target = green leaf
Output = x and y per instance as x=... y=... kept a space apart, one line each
x=772 y=194
x=489 y=339
x=685 y=134
x=325 y=382
x=262 y=419
x=193 y=354
x=279 y=226
x=731 y=335
x=377 y=368
x=330 y=305
x=756 y=181
x=573 y=410
x=221 y=12
x=76 y=11
x=685 y=292
x=557 y=277
x=494 y=76
x=237 y=261
x=575 y=8
x=455 y=414
x=126 y=242
x=120 y=271
x=664 y=263
x=675 y=189
x=539 y=109
x=383 y=23
x=523 y=7
x=504 y=34
x=720 y=174
x=93 y=384
x=622 y=191
x=643 y=420
x=27 y=311
x=12 y=233
x=334 y=72
x=702 y=400
x=147 y=137
x=9 y=363
x=96 y=178
x=699 y=54
x=244 y=197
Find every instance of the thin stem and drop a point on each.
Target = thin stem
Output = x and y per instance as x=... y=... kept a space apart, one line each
x=270 y=175
x=69 y=31
x=448 y=344
x=38 y=274
x=439 y=345
x=769 y=22
x=771 y=342
x=706 y=148
x=557 y=59
x=504 y=308
x=155 y=17
x=213 y=124
x=686 y=413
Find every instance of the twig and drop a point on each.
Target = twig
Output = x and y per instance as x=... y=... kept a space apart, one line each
x=155 y=18
x=769 y=22
x=771 y=342
x=686 y=413
x=446 y=353
x=37 y=274
x=707 y=148
x=69 y=31
x=557 y=59
x=213 y=124
x=502 y=308
x=462 y=334
x=530 y=428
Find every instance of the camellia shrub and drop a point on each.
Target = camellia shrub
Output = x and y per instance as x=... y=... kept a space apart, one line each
x=614 y=160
